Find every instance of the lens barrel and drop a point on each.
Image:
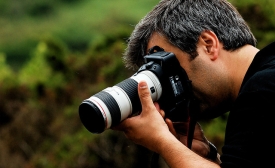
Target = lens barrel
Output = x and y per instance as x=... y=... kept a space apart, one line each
x=113 y=104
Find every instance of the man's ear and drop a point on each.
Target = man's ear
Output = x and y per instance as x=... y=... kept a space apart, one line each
x=210 y=43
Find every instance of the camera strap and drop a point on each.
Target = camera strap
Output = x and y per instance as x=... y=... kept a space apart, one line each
x=193 y=110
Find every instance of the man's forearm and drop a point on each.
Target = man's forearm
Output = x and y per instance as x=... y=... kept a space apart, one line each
x=178 y=155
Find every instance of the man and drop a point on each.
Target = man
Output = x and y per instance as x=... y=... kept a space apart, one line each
x=216 y=48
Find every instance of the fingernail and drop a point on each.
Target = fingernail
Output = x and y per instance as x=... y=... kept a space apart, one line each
x=143 y=85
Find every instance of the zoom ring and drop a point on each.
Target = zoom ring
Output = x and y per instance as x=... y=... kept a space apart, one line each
x=130 y=87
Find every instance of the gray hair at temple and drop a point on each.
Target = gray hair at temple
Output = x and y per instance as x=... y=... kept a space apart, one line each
x=181 y=22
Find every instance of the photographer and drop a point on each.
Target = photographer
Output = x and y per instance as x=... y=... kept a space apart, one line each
x=217 y=50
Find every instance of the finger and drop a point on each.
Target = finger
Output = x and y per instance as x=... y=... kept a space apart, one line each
x=162 y=113
x=145 y=96
x=122 y=126
x=171 y=127
x=157 y=106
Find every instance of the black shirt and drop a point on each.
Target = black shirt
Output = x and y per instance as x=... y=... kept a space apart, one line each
x=250 y=127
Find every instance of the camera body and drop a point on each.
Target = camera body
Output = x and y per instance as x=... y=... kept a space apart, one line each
x=176 y=87
x=168 y=83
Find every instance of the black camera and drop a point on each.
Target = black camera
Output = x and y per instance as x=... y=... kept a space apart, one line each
x=168 y=83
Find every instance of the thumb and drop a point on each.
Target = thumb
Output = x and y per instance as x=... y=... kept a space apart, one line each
x=145 y=96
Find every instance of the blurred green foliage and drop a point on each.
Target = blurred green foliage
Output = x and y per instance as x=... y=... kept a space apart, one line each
x=260 y=17
x=53 y=55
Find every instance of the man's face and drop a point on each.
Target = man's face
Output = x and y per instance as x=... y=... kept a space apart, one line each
x=208 y=78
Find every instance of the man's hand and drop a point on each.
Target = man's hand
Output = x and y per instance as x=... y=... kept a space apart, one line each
x=200 y=144
x=148 y=128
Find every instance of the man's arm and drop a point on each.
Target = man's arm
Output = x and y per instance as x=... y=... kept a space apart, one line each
x=178 y=155
x=150 y=130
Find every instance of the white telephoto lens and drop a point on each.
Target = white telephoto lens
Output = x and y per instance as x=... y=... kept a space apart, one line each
x=152 y=81
x=114 y=104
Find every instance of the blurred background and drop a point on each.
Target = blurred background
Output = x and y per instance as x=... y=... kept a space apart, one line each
x=56 y=53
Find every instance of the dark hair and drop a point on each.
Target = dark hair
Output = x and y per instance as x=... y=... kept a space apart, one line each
x=181 y=22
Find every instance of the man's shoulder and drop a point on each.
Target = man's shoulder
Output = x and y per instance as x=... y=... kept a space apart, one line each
x=269 y=49
x=261 y=80
x=261 y=72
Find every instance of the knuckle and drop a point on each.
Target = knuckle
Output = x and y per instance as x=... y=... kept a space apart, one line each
x=144 y=94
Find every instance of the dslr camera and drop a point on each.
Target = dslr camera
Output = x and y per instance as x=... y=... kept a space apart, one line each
x=168 y=84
